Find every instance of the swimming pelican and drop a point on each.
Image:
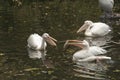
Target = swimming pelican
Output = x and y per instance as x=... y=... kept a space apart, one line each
x=38 y=42
x=94 y=29
x=106 y=6
x=87 y=53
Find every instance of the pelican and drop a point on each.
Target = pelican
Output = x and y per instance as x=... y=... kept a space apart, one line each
x=37 y=42
x=106 y=6
x=88 y=53
x=94 y=29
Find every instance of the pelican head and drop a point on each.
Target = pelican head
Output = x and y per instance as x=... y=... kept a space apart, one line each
x=85 y=26
x=49 y=39
x=82 y=44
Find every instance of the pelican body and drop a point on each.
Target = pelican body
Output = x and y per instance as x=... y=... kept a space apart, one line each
x=94 y=29
x=87 y=53
x=37 y=42
x=106 y=6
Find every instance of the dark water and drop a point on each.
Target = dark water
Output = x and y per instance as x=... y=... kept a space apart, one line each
x=60 y=19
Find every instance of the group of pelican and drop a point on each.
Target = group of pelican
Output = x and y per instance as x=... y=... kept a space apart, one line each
x=88 y=53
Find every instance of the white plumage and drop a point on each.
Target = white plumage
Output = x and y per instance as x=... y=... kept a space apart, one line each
x=85 y=53
x=38 y=42
x=106 y=5
x=88 y=53
x=94 y=29
x=93 y=58
x=35 y=41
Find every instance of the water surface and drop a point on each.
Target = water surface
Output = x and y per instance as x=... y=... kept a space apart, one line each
x=60 y=19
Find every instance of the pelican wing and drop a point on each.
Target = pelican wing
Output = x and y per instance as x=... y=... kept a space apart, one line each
x=82 y=54
x=95 y=50
x=35 y=41
x=100 y=29
x=88 y=55
x=92 y=58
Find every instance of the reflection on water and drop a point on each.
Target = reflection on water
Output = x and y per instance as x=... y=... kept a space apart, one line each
x=99 y=41
x=91 y=70
x=61 y=20
x=36 y=54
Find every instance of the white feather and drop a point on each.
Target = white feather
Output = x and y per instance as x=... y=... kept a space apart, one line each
x=87 y=51
x=93 y=58
x=97 y=29
x=35 y=42
x=92 y=51
x=106 y=5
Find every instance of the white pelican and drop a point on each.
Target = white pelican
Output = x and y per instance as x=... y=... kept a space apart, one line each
x=94 y=29
x=38 y=42
x=106 y=6
x=87 y=53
